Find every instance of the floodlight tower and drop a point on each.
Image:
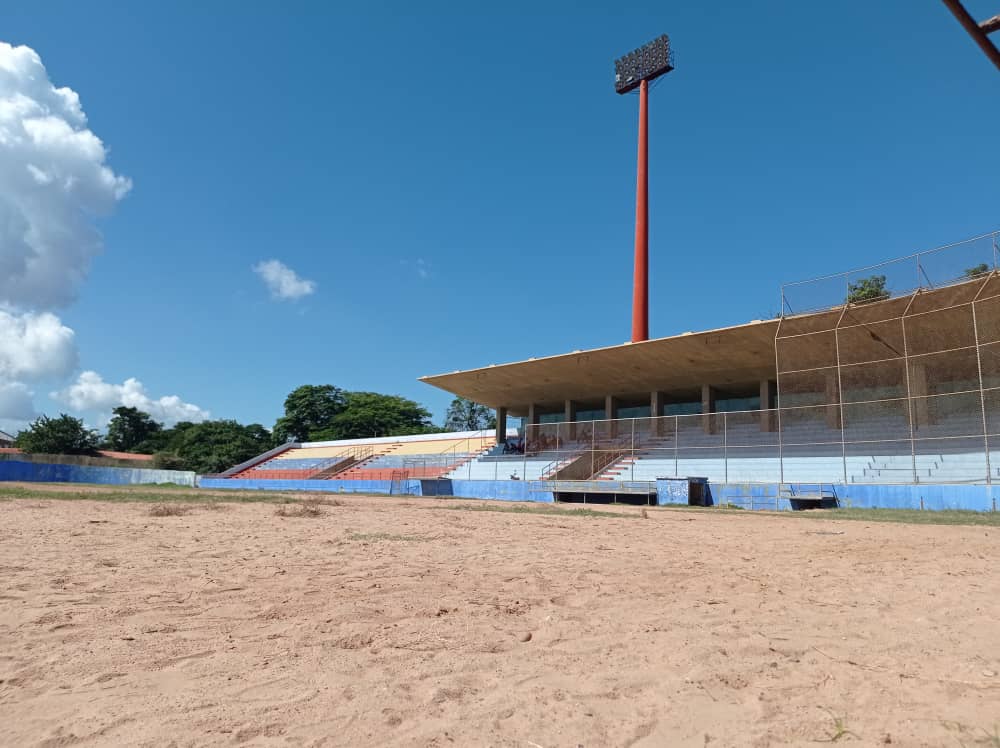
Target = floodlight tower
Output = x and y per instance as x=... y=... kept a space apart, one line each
x=636 y=70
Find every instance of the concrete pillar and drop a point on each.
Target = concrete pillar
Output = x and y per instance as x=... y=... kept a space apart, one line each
x=501 y=425
x=656 y=400
x=611 y=413
x=570 y=418
x=918 y=389
x=531 y=429
x=832 y=401
x=768 y=393
x=707 y=408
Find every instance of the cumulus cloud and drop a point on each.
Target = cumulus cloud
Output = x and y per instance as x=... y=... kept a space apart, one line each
x=35 y=346
x=91 y=393
x=16 y=404
x=53 y=182
x=283 y=282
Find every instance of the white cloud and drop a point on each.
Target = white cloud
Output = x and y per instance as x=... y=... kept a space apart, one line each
x=15 y=403
x=35 y=346
x=53 y=181
x=91 y=393
x=282 y=281
x=420 y=266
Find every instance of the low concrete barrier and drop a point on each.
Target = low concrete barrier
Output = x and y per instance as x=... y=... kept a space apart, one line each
x=932 y=497
x=503 y=490
x=36 y=472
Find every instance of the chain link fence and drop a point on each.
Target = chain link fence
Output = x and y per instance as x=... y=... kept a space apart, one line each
x=896 y=379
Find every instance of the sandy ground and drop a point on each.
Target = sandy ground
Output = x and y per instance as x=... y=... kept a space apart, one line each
x=399 y=622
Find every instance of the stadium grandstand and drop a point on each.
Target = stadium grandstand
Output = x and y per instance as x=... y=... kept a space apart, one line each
x=885 y=375
x=899 y=385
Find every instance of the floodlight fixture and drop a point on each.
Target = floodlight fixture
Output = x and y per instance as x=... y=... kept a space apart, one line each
x=636 y=70
x=643 y=64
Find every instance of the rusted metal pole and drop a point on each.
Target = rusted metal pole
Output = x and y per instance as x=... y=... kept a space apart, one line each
x=977 y=32
x=990 y=25
x=640 y=279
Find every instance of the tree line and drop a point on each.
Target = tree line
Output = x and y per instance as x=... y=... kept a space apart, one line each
x=311 y=413
x=874 y=287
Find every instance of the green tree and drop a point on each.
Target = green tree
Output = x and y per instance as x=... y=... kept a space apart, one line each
x=130 y=427
x=169 y=461
x=214 y=446
x=309 y=410
x=974 y=272
x=64 y=435
x=162 y=440
x=871 y=288
x=465 y=415
x=368 y=414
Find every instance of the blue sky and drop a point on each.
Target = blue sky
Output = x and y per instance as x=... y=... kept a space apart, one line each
x=459 y=182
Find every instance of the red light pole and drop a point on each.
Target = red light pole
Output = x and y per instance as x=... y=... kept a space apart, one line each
x=636 y=70
x=640 y=278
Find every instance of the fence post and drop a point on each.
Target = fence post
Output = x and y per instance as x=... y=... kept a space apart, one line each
x=725 y=447
x=982 y=395
x=676 y=437
x=631 y=471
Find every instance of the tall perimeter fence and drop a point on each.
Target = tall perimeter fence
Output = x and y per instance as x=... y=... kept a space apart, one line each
x=907 y=376
x=900 y=386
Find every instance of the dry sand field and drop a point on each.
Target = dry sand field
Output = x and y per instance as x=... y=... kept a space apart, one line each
x=427 y=622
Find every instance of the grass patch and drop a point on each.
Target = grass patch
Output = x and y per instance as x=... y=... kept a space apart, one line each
x=376 y=537
x=540 y=509
x=311 y=507
x=839 y=730
x=171 y=494
x=168 y=510
x=978 y=735
x=910 y=516
x=902 y=516
x=146 y=494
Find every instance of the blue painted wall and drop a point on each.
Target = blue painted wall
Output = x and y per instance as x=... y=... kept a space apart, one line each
x=747 y=495
x=36 y=472
x=503 y=490
x=328 y=486
x=977 y=498
x=678 y=491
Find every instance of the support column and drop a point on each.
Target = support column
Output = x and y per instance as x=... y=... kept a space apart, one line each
x=707 y=408
x=918 y=393
x=531 y=430
x=768 y=392
x=611 y=413
x=656 y=400
x=832 y=401
x=570 y=417
x=501 y=425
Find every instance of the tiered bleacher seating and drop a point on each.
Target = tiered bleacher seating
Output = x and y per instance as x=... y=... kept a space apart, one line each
x=299 y=463
x=421 y=456
x=498 y=466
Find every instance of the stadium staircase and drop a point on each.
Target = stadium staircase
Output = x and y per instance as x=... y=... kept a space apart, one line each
x=344 y=463
x=388 y=466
